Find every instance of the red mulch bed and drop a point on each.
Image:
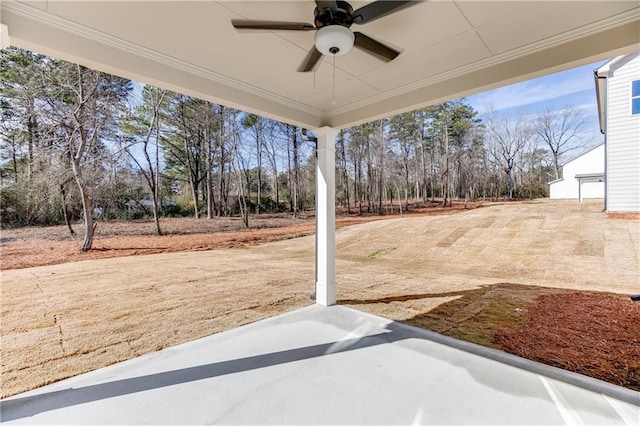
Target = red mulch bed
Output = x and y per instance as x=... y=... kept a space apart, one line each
x=604 y=343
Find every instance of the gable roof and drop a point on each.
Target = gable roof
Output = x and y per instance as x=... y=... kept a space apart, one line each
x=583 y=154
x=600 y=75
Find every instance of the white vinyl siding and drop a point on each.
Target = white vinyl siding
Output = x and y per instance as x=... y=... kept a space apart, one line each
x=623 y=140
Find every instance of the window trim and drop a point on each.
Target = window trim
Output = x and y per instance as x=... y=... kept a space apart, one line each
x=634 y=98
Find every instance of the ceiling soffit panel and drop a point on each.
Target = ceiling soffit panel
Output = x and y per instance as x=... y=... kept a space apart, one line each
x=483 y=12
x=83 y=46
x=448 y=55
x=546 y=19
x=345 y=94
x=448 y=49
x=202 y=35
x=418 y=27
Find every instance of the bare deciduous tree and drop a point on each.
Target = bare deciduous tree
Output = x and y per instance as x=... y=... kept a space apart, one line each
x=88 y=105
x=562 y=131
x=144 y=124
x=508 y=138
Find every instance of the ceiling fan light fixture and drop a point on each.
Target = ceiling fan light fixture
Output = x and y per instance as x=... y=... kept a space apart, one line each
x=334 y=40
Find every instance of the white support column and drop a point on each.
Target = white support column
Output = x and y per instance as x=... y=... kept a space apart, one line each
x=326 y=216
x=4 y=37
x=579 y=190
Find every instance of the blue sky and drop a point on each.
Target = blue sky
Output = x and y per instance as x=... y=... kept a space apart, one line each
x=574 y=87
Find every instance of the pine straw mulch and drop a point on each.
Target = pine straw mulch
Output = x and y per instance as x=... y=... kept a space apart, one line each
x=597 y=335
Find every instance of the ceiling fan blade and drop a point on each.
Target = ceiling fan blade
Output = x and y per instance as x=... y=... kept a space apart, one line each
x=378 y=9
x=311 y=61
x=271 y=25
x=374 y=47
x=331 y=4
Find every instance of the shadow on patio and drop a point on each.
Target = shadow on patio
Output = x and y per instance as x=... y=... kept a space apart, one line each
x=325 y=365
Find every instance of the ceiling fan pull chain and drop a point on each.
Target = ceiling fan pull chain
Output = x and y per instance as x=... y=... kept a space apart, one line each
x=333 y=86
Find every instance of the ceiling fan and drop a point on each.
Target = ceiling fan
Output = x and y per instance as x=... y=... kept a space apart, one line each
x=332 y=23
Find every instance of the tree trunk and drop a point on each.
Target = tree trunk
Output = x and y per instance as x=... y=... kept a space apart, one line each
x=290 y=175
x=209 y=174
x=296 y=175
x=65 y=213
x=156 y=184
x=344 y=171
x=508 y=172
x=221 y=141
x=358 y=188
x=192 y=166
x=152 y=177
x=406 y=186
x=221 y=178
x=242 y=196
x=242 y=202
x=31 y=129
x=195 y=197
x=381 y=171
x=76 y=158
x=156 y=218
x=424 y=173
x=259 y=158
x=445 y=184
x=87 y=205
x=14 y=159
x=369 y=175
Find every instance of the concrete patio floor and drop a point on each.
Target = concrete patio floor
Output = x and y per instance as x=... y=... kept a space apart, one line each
x=326 y=366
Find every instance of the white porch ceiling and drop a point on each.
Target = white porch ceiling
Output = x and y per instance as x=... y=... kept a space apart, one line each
x=449 y=49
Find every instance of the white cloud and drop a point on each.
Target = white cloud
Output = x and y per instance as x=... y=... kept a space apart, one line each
x=542 y=89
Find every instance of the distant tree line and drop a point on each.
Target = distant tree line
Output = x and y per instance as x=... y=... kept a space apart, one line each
x=76 y=144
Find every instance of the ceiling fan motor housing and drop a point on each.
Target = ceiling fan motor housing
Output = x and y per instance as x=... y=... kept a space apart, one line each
x=339 y=16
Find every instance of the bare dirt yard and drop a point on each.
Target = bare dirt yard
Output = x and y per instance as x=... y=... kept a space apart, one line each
x=38 y=246
x=548 y=280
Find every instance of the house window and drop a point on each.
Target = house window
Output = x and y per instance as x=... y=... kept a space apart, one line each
x=635 y=97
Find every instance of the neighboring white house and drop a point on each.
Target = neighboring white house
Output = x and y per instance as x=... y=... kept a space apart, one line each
x=582 y=177
x=618 y=94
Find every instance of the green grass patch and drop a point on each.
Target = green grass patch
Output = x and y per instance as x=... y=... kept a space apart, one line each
x=377 y=253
